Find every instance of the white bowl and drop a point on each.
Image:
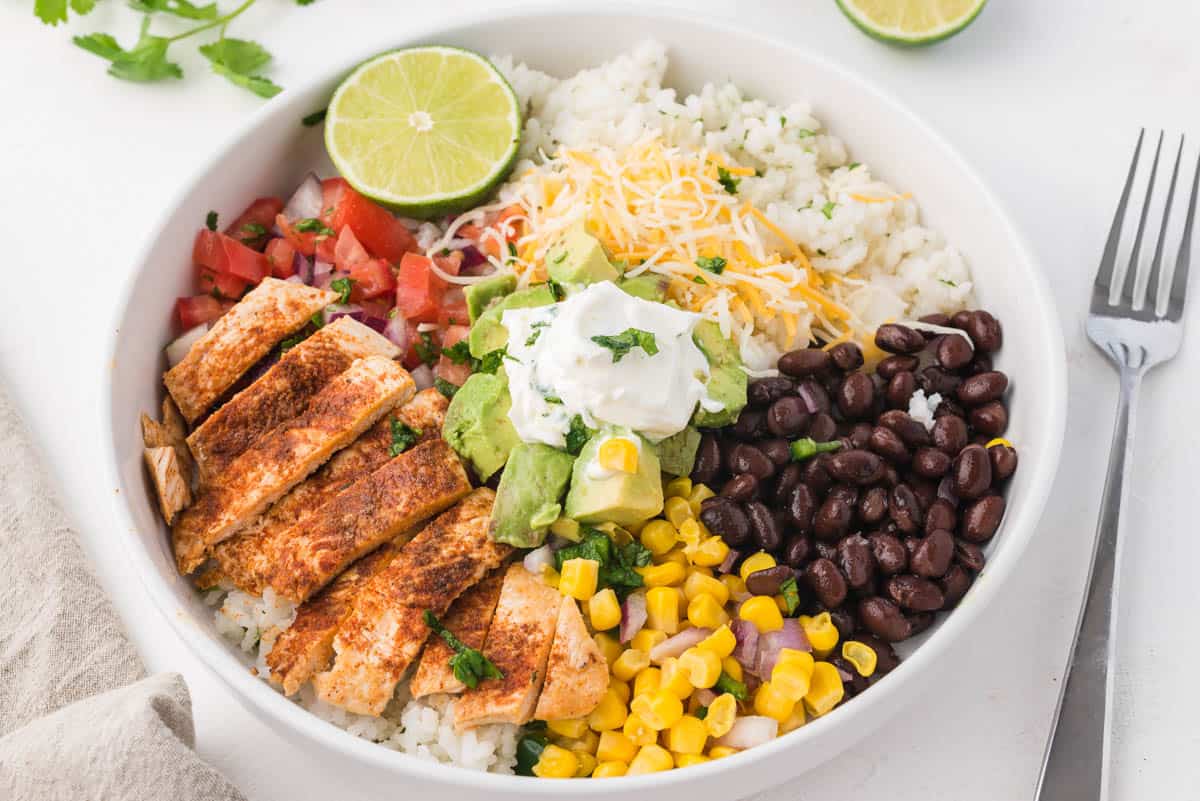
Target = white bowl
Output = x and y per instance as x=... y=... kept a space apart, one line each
x=271 y=153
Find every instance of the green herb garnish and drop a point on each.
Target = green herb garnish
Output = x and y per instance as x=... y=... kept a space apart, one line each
x=617 y=563
x=403 y=437
x=698 y=280
x=492 y=360
x=529 y=751
x=713 y=264
x=791 y=595
x=318 y=319
x=620 y=344
x=806 y=448
x=552 y=399
x=316 y=118
x=469 y=664
x=342 y=286
x=701 y=712
x=827 y=209
x=445 y=387
x=947 y=282
x=459 y=353
x=556 y=289
x=559 y=259
x=254 y=229
x=426 y=350
x=853 y=165
x=537 y=332
x=725 y=179
x=311 y=225
x=210 y=221
x=577 y=435
x=292 y=342
x=728 y=684
x=240 y=61
x=805 y=132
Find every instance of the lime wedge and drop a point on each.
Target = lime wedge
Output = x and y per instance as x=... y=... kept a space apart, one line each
x=426 y=131
x=911 y=22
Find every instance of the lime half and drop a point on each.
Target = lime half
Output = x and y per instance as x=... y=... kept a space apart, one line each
x=426 y=131
x=911 y=22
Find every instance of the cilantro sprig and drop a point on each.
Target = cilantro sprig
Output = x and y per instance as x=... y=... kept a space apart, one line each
x=727 y=181
x=343 y=286
x=617 y=562
x=404 y=437
x=713 y=264
x=620 y=344
x=577 y=435
x=469 y=664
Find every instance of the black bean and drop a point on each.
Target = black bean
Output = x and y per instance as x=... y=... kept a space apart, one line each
x=762 y=526
x=883 y=619
x=959 y=320
x=853 y=682
x=815 y=474
x=800 y=508
x=937 y=318
x=846 y=493
x=911 y=431
x=855 y=396
x=934 y=554
x=930 y=463
x=749 y=459
x=815 y=398
x=920 y=621
x=860 y=435
x=740 y=488
x=843 y=620
x=972 y=472
x=750 y=425
x=985 y=331
x=895 y=338
x=822 y=428
x=915 y=593
x=923 y=488
x=708 y=460
x=826 y=582
x=726 y=519
x=904 y=509
x=769 y=580
x=945 y=490
x=981 y=519
x=982 y=363
x=788 y=477
x=954 y=585
x=949 y=406
x=862 y=468
x=889 y=367
x=825 y=550
x=832 y=519
x=982 y=388
x=890 y=553
x=949 y=434
x=804 y=362
x=936 y=380
x=798 y=549
x=954 y=352
x=787 y=417
x=941 y=514
x=846 y=356
x=969 y=555
x=765 y=391
x=990 y=418
x=873 y=505
x=887 y=443
x=900 y=389
x=1004 y=462
x=856 y=560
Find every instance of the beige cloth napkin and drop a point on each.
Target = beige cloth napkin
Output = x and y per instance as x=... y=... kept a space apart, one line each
x=79 y=718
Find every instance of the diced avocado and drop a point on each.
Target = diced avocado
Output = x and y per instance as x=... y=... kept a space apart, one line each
x=727 y=379
x=622 y=498
x=488 y=334
x=677 y=453
x=531 y=485
x=646 y=286
x=477 y=424
x=579 y=258
x=480 y=296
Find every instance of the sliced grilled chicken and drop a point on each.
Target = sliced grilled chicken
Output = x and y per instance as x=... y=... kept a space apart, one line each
x=239 y=338
x=468 y=618
x=174 y=494
x=171 y=432
x=246 y=558
x=518 y=643
x=576 y=673
x=284 y=456
x=281 y=392
x=383 y=635
x=414 y=486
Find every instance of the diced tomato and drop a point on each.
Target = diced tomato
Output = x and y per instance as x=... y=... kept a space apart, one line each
x=456 y=374
x=281 y=255
x=453 y=312
x=381 y=234
x=372 y=278
x=378 y=307
x=418 y=290
x=348 y=251
x=259 y=214
x=224 y=284
x=224 y=254
x=412 y=359
x=307 y=242
x=450 y=263
x=197 y=309
x=454 y=334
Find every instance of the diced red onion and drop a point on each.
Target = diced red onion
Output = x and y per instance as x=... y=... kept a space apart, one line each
x=808 y=394
x=423 y=377
x=746 y=651
x=730 y=560
x=537 y=559
x=633 y=615
x=303 y=267
x=677 y=644
x=705 y=697
x=183 y=343
x=335 y=310
x=397 y=332
x=376 y=324
x=749 y=731
x=305 y=202
x=322 y=273
x=772 y=642
x=294 y=279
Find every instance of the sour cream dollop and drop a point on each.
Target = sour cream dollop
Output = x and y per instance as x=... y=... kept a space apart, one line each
x=556 y=371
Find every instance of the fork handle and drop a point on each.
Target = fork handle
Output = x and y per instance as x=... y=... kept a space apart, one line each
x=1076 y=766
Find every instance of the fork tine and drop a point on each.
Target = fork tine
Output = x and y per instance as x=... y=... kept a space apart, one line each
x=1183 y=260
x=1109 y=259
x=1156 y=264
x=1131 y=272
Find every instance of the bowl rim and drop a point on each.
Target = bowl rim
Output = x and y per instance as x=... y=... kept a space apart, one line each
x=279 y=710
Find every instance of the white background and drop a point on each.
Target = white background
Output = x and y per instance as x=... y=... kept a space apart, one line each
x=1044 y=97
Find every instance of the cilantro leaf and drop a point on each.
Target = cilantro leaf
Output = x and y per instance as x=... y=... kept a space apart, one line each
x=805 y=132
x=947 y=282
x=343 y=286
x=577 y=435
x=698 y=280
x=238 y=60
x=305 y=2
x=180 y=8
x=827 y=210
x=105 y=46
x=311 y=225
x=726 y=179
x=713 y=264
x=459 y=353
x=537 y=332
x=469 y=664
x=292 y=342
x=445 y=387
x=403 y=437
x=492 y=360
x=556 y=289
x=316 y=118
x=791 y=595
x=620 y=344
x=728 y=684
x=426 y=350
x=146 y=62
x=51 y=12
x=853 y=165
x=616 y=563
x=210 y=219
x=254 y=229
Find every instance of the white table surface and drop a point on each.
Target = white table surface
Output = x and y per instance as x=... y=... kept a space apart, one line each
x=1044 y=97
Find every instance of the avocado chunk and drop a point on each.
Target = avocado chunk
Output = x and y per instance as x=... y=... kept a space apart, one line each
x=677 y=453
x=726 y=380
x=477 y=424
x=489 y=334
x=479 y=296
x=646 y=286
x=579 y=258
x=622 y=498
x=531 y=486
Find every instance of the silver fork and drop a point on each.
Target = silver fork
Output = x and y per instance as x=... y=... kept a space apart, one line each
x=1136 y=337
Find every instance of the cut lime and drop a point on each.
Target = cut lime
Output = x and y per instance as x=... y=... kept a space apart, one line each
x=911 y=22
x=426 y=131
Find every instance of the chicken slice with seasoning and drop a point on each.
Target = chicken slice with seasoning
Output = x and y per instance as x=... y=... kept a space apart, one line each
x=576 y=673
x=468 y=619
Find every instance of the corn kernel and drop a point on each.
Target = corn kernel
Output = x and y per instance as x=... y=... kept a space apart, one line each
x=700 y=493
x=566 y=528
x=792 y=673
x=825 y=690
x=861 y=655
x=722 y=712
x=675 y=556
x=609 y=714
x=991 y=443
x=638 y=731
x=621 y=688
x=609 y=770
x=587 y=764
x=585 y=744
x=732 y=668
x=677 y=510
x=697 y=583
x=579 y=578
x=705 y=611
x=646 y=639
x=618 y=453
x=675 y=679
x=710 y=552
x=659 y=536
x=687 y=736
x=549 y=576
x=733 y=584
x=568 y=727
x=781 y=602
x=687 y=760
x=821 y=632
x=690 y=534
x=772 y=703
x=702 y=666
x=794 y=721
x=556 y=763
x=630 y=663
x=721 y=642
x=703 y=570
x=666 y=574
x=609 y=646
x=662 y=609
x=635 y=529
x=660 y=710
x=763 y=613
x=648 y=681
x=604 y=610
x=721 y=751
x=756 y=562
x=678 y=488
x=651 y=759
x=615 y=747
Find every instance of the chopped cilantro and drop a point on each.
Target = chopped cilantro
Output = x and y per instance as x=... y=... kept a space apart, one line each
x=577 y=435
x=469 y=664
x=725 y=179
x=492 y=360
x=854 y=165
x=552 y=399
x=713 y=264
x=805 y=132
x=512 y=251
x=782 y=120
x=791 y=595
x=556 y=289
x=343 y=286
x=318 y=319
x=617 y=563
x=559 y=258
x=698 y=280
x=210 y=220
x=316 y=118
x=403 y=437
x=254 y=229
x=537 y=332
x=947 y=282
x=827 y=209
x=459 y=353
x=311 y=225
x=426 y=350
x=292 y=342
x=445 y=387
x=620 y=344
